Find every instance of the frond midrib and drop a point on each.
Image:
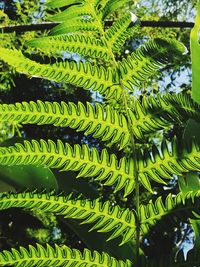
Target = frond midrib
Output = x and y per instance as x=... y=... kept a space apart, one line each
x=120 y=172
x=68 y=203
x=36 y=259
x=63 y=116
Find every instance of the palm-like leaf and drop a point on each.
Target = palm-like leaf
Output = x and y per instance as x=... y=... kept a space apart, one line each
x=104 y=123
x=107 y=218
x=57 y=256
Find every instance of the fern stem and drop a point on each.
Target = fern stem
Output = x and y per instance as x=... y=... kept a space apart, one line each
x=135 y=175
x=134 y=150
x=135 y=158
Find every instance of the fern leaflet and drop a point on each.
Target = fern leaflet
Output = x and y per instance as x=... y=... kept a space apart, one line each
x=62 y=3
x=146 y=60
x=116 y=35
x=156 y=165
x=64 y=157
x=104 y=123
x=57 y=256
x=106 y=217
x=156 y=113
x=77 y=43
x=113 y=5
x=183 y=206
x=76 y=25
x=79 y=74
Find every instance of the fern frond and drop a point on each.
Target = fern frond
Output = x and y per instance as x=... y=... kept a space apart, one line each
x=75 y=25
x=83 y=17
x=89 y=163
x=156 y=113
x=106 y=217
x=104 y=123
x=182 y=206
x=77 y=43
x=79 y=74
x=158 y=166
x=57 y=256
x=117 y=34
x=149 y=58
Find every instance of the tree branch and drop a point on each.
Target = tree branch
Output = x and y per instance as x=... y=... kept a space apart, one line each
x=50 y=25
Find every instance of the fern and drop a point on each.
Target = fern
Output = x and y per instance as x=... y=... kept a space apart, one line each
x=64 y=157
x=106 y=217
x=76 y=25
x=157 y=113
x=81 y=44
x=105 y=123
x=80 y=74
x=57 y=256
x=146 y=60
x=62 y=3
x=117 y=34
x=182 y=206
x=156 y=166
x=124 y=121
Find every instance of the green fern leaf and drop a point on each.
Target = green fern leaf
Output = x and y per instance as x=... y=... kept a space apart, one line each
x=79 y=74
x=117 y=34
x=149 y=58
x=64 y=157
x=157 y=113
x=81 y=44
x=106 y=217
x=83 y=17
x=104 y=123
x=182 y=206
x=75 y=25
x=57 y=256
x=158 y=166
